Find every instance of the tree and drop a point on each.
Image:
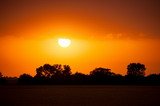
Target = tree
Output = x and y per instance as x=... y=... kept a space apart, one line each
x=136 y=69
x=67 y=70
x=79 y=78
x=101 y=75
x=2 y=79
x=79 y=75
x=153 y=79
x=1 y=75
x=101 y=72
x=25 y=79
x=47 y=71
x=53 y=71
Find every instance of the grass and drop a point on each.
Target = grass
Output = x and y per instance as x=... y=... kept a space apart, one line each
x=80 y=95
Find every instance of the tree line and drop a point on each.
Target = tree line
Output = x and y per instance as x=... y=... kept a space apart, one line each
x=61 y=74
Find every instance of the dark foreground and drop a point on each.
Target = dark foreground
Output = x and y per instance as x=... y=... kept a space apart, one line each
x=80 y=95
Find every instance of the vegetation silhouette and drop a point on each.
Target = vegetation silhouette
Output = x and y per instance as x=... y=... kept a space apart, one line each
x=61 y=74
x=2 y=79
x=135 y=73
x=153 y=79
x=25 y=79
x=80 y=78
x=104 y=76
x=136 y=69
x=53 y=74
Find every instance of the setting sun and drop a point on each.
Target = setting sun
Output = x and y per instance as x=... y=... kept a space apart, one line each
x=80 y=52
x=63 y=42
x=84 y=34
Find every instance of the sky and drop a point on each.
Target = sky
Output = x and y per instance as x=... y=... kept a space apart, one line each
x=103 y=33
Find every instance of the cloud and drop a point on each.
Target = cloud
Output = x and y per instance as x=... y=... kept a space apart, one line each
x=119 y=19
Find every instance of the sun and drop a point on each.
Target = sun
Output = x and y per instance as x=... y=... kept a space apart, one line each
x=64 y=42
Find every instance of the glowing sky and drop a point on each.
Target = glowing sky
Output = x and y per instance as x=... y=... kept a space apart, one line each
x=104 y=33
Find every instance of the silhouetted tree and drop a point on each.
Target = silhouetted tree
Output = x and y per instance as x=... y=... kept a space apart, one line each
x=80 y=78
x=101 y=75
x=67 y=70
x=1 y=75
x=61 y=74
x=118 y=79
x=101 y=72
x=79 y=75
x=153 y=79
x=53 y=73
x=66 y=74
x=48 y=71
x=135 y=73
x=2 y=79
x=136 y=69
x=45 y=71
x=25 y=79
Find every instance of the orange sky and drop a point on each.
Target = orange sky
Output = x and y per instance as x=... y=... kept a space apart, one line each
x=107 y=34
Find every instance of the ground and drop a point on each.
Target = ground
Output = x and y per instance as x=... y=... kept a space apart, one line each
x=80 y=95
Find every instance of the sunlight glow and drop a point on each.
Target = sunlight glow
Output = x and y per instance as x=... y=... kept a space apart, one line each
x=63 y=42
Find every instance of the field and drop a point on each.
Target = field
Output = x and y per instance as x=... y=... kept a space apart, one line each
x=80 y=95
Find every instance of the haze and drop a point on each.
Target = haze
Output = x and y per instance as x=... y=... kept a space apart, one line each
x=104 y=33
